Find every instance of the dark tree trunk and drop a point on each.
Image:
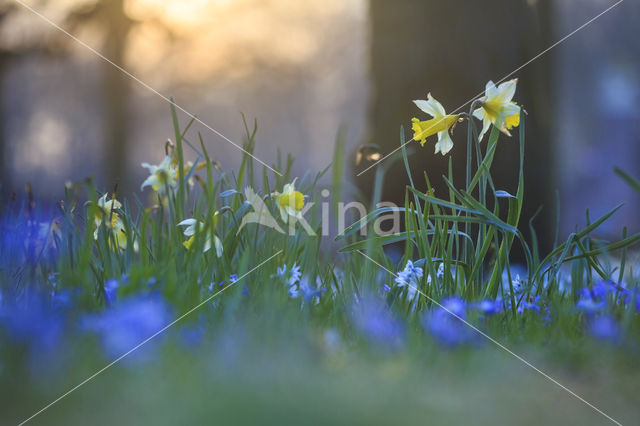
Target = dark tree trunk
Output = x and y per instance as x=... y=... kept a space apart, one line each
x=116 y=87
x=5 y=175
x=451 y=48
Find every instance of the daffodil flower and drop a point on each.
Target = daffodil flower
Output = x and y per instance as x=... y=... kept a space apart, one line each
x=290 y=202
x=161 y=177
x=193 y=226
x=440 y=124
x=105 y=213
x=497 y=108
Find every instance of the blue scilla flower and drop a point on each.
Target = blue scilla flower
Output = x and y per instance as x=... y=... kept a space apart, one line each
x=487 y=306
x=604 y=327
x=599 y=290
x=290 y=277
x=409 y=277
x=445 y=323
x=377 y=323
x=296 y=274
x=111 y=290
x=307 y=291
x=33 y=321
x=128 y=323
x=589 y=305
x=233 y=278
x=524 y=304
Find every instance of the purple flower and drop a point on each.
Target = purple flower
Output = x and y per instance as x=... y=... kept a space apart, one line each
x=445 y=323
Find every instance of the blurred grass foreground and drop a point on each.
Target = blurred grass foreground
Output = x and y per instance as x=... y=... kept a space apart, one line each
x=230 y=299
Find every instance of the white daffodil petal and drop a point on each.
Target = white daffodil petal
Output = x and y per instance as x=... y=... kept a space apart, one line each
x=507 y=90
x=486 y=124
x=490 y=90
x=427 y=107
x=444 y=144
x=437 y=106
x=511 y=109
x=218 y=245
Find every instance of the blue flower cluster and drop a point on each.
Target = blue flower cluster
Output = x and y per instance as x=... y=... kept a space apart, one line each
x=597 y=302
x=299 y=286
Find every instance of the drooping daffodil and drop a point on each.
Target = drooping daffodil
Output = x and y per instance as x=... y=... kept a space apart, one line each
x=440 y=124
x=290 y=202
x=106 y=213
x=497 y=108
x=161 y=177
x=193 y=226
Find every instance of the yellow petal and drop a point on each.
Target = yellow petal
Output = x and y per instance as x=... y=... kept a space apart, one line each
x=423 y=129
x=293 y=199
x=512 y=121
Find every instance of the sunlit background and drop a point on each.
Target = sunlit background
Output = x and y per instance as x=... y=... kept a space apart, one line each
x=303 y=69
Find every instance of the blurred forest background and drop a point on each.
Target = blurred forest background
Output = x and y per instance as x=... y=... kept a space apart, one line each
x=306 y=69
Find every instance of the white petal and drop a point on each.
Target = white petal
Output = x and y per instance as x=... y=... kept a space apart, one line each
x=187 y=222
x=486 y=123
x=490 y=90
x=507 y=89
x=150 y=181
x=207 y=245
x=510 y=109
x=431 y=106
x=444 y=144
x=218 y=244
x=436 y=105
x=479 y=113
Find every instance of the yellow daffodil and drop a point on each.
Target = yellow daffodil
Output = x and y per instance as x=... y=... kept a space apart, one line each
x=497 y=108
x=161 y=177
x=112 y=221
x=440 y=124
x=290 y=202
x=193 y=226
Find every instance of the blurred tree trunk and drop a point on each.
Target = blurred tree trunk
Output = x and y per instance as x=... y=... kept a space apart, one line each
x=5 y=185
x=116 y=87
x=451 y=48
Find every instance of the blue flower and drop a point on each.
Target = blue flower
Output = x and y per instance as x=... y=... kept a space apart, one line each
x=128 y=323
x=589 y=305
x=233 y=278
x=111 y=290
x=307 y=291
x=33 y=322
x=294 y=274
x=604 y=327
x=488 y=307
x=376 y=322
x=445 y=323
x=409 y=277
